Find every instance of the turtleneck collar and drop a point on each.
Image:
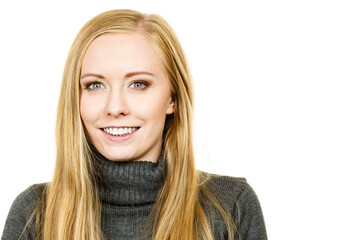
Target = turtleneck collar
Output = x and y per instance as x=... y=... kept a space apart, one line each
x=129 y=183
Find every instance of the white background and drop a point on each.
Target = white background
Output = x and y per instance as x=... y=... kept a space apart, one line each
x=277 y=87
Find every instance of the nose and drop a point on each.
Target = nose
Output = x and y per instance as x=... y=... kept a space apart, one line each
x=117 y=104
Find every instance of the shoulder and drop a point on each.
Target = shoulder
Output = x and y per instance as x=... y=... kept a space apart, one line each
x=26 y=200
x=32 y=193
x=21 y=210
x=241 y=201
x=232 y=190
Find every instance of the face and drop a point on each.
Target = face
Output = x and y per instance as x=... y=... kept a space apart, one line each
x=125 y=97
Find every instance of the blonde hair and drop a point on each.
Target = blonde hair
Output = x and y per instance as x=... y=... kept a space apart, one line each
x=70 y=207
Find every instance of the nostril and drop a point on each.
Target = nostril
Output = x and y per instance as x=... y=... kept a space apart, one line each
x=117 y=105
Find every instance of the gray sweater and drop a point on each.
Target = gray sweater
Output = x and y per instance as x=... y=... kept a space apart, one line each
x=128 y=191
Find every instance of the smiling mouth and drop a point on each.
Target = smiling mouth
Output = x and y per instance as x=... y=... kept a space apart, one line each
x=120 y=131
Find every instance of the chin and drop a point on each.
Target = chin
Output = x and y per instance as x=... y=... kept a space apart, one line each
x=116 y=157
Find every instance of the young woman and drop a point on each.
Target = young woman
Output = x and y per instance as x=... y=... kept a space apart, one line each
x=125 y=161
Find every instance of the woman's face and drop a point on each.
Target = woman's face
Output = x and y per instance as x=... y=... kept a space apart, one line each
x=125 y=97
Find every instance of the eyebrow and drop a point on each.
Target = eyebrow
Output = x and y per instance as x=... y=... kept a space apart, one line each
x=130 y=74
x=91 y=74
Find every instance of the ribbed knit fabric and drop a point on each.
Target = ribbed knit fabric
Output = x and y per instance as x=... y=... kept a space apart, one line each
x=128 y=190
x=129 y=183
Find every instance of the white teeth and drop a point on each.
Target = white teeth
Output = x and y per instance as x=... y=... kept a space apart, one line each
x=120 y=131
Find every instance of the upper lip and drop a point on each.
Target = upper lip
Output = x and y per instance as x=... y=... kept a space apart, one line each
x=120 y=126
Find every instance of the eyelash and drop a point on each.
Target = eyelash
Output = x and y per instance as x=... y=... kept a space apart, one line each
x=146 y=84
x=87 y=86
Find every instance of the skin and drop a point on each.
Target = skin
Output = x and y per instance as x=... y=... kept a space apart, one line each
x=123 y=84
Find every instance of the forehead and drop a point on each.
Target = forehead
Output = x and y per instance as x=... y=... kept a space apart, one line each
x=127 y=50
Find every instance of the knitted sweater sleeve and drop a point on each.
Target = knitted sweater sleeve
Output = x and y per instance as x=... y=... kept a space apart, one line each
x=244 y=205
x=251 y=223
x=19 y=215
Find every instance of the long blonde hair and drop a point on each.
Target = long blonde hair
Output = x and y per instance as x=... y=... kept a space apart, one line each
x=70 y=207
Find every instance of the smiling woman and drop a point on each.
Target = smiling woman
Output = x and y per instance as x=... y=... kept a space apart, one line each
x=125 y=97
x=125 y=161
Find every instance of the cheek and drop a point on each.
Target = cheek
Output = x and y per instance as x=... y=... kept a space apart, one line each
x=89 y=110
x=151 y=109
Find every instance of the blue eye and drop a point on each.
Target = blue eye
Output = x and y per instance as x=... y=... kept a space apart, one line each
x=94 y=85
x=138 y=85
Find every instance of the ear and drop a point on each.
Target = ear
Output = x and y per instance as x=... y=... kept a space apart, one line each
x=170 y=108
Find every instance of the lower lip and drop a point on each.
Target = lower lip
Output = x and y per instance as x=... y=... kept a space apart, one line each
x=119 y=138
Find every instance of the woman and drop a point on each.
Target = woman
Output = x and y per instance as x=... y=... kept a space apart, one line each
x=125 y=162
